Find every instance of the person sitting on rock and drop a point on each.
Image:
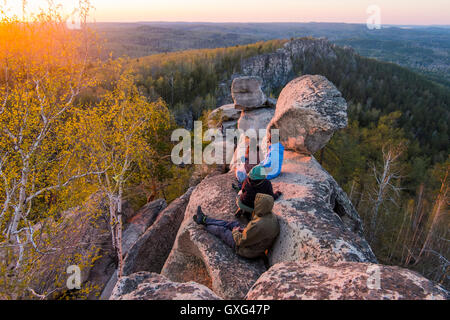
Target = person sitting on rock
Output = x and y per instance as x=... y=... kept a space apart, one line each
x=273 y=161
x=245 y=166
x=255 y=183
x=252 y=241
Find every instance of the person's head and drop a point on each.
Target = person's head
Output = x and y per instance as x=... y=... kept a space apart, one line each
x=263 y=204
x=257 y=173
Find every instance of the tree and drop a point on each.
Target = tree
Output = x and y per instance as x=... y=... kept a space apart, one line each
x=115 y=132
x=44 y=68
x=385 y=189
x=38 y=92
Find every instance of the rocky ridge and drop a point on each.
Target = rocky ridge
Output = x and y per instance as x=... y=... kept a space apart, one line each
x=321 y=252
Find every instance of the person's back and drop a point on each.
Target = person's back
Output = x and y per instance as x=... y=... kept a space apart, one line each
x=262 y=230
x=251 y=188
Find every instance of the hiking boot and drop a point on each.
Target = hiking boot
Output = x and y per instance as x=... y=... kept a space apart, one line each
x=200 y=217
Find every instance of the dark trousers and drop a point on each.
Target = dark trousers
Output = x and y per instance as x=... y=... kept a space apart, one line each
x=223 y=230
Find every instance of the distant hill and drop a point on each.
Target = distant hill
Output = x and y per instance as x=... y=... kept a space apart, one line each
x=423 y=49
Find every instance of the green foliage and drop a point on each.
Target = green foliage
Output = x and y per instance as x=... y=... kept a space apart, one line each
x=189 y=79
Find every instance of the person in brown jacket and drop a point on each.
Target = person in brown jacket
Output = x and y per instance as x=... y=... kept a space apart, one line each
x=256 y=238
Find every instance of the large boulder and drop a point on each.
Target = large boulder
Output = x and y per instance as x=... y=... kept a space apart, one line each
x=317 y=220
x=247 y=93
x=309 y=110
x=343 y=281
x=200 y=256
x=150 y=251
x=152 y=286
x=137 y=225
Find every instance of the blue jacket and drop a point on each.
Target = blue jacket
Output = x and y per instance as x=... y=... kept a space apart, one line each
x=274 y=160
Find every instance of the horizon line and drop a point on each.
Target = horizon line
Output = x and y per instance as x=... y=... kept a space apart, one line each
x=268 y=22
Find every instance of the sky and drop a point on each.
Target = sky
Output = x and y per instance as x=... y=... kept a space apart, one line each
x=402 y=12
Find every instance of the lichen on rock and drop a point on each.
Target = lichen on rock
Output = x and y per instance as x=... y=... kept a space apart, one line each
x=343 y=281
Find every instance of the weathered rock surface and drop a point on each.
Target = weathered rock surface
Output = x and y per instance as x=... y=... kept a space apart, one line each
x=140 y=222
x=256 y=119
x=247 y=93
x=152 y=286
x=343 y=281
x=226 y=113
x=150 y=251
x=276 y=69
x=309 y=110
x=310 y=227
x=201 y=257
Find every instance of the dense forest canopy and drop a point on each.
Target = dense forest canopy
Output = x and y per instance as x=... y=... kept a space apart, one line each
x=424 y=49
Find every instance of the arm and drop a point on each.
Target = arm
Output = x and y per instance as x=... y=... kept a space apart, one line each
x=247 y=236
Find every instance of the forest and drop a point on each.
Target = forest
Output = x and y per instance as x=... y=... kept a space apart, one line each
x=74 y=125
x=424 y=49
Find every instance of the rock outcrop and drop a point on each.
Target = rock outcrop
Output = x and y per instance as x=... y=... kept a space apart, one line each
x=343 y=281
x=309 y=110
x=320 y=253
x=201 y=257
x=276 y=69
x=150 y=251
x=152 y=286
x=226 y=113
x=311 y=228
x=140 y=222
x=83 y=234
x=247 y=93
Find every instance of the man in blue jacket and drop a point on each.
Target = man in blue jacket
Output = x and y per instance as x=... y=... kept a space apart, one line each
x=273 y=161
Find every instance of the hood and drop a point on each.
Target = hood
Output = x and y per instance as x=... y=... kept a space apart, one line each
x=263 y=204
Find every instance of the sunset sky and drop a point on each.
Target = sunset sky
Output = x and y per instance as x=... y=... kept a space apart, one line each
x=351 y=11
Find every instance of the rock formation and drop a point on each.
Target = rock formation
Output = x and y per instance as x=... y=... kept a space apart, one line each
x=225 y=114
x=150 y=251
x=247 y=93
x=255 y=119
x=312 y=227
x=276 y=69
x=201 y=257
x=309 y=110
x=321 y=252
x=152 y=286
x=343 y=281
x=147 y=250
x=140 y=222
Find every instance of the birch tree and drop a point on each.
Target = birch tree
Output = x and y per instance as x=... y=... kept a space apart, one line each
x=385 y=188
x=44 y=67
x=116 y=130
